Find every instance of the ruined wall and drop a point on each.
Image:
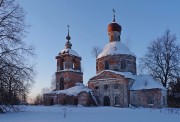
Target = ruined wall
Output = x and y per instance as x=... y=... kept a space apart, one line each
x=147 y=98
x=116 y=88
x=69 y=78
x=65 y=61
x=82 y=98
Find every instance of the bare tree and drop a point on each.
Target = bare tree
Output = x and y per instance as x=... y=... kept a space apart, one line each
x=53 y=82
x=16 y=72
x=38 y=100
x=162 y=59
x=95 y=51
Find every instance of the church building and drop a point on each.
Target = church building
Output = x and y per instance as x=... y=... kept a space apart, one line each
x=69 y=80
x=116 y=82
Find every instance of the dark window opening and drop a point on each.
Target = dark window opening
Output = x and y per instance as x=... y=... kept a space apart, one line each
x=123 y=64
x=116 y=69
x=75 y=101
x=115 y=86
x=96 y=87
x=106 y=101
x=150 y=100
x=106 y=65
x=62 y=64
x=51 y=102
x=61 y=83
x=117 y=100
x=106 y=87
x=164 y=100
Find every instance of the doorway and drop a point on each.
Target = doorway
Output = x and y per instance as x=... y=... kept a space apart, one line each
x=106 y=101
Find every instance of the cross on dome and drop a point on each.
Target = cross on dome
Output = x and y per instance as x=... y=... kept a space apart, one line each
x=114 y=15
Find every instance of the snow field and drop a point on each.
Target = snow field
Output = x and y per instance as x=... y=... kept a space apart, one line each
x=91 y=114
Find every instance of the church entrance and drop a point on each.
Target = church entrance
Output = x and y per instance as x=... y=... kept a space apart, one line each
x=106 y=101
x=51 y=102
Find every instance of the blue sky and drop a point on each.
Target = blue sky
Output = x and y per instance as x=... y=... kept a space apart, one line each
x=142 y=21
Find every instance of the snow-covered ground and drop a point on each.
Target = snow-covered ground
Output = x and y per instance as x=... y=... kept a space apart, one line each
x=91 y=114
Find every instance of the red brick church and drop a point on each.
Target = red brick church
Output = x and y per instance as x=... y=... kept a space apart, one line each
x=115 y=84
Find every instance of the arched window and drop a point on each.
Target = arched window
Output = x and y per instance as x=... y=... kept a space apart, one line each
x=117 y=100
x=61 y=83
x=74 y=64
x=123 y=64
x=106 y=65
x=96 y=87
x=62 y=64
x=106 y=87
x=116 y=86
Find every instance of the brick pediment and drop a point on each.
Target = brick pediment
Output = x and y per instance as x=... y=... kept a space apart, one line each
x=106 y=75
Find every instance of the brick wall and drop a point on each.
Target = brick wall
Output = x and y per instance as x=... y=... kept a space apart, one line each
x=147 y=98
x=70 y=78
x=115 y=61
x=118 y=86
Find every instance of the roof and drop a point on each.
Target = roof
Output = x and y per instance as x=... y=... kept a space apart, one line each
x=140 y=81
x=73 y=91
x=69 y=51
x=115 y=48
x=113 y=26
x=145 y=82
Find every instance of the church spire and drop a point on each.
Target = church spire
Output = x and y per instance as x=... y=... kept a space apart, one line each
x=68 y=43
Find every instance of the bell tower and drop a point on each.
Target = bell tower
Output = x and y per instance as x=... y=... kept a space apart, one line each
x=68 y=67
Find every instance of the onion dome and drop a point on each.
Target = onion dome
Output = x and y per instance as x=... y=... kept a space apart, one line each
x=68 y=46
x=68 y=43
x=114 y=27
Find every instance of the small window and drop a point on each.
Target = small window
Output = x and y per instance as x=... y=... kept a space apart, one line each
x=123 y=64
x=96 y=87
x=150 y=100
x=115 y=86
x=164 y=100
x=62 y=64
x=106 y=65
x=117 y=100
x=61 y=83
x=106 y=87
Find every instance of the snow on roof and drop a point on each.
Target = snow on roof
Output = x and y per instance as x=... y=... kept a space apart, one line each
x=69 y=51
x=145 y=82
x=140 y=81
x=73 y=91
x=70 y=69
x=114 y=48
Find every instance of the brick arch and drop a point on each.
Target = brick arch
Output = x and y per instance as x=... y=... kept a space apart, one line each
x=76 y=64
x=62 y=67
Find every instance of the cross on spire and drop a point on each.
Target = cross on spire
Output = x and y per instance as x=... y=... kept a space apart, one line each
x=68 y=37
x=114 y=15
x=68 y=27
